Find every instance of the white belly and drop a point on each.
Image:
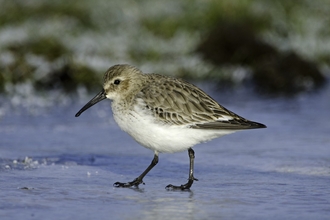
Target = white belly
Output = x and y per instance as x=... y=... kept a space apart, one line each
x=159 y=137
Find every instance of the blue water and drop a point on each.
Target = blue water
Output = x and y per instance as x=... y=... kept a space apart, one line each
x=56 y=166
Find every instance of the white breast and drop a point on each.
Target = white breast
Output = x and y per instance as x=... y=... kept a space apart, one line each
x=159 y=137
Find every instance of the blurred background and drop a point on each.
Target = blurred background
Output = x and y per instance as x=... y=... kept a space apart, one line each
x=265 y=60
x=277 y=47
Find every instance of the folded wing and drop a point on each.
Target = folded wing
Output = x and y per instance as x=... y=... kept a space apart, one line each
x=177 y=102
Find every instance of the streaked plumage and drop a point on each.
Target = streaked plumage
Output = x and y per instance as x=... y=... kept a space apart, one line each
x=165 y=114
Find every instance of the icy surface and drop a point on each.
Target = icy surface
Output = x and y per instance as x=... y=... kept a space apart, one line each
x=56 y=166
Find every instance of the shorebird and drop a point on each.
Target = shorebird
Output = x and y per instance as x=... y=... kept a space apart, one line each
x=165 y=114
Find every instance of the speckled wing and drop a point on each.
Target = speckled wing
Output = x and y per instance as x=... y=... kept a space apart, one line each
x=177 y=102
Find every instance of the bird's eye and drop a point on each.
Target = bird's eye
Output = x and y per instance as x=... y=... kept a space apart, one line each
x=116 y=82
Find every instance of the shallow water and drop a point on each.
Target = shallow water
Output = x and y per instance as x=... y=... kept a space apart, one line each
x=56 y=166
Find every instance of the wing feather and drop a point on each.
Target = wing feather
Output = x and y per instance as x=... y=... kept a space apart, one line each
x=176 y=102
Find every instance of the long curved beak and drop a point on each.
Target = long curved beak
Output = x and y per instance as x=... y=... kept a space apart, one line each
x=99 y=97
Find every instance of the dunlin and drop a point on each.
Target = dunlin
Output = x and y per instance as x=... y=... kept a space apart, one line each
x=165 y=114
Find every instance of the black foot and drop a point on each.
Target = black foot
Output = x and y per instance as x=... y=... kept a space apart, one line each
x=134 y=183
x=182 y=187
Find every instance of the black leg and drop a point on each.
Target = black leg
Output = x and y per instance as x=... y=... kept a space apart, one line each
x=136 y=182
x=191 y=179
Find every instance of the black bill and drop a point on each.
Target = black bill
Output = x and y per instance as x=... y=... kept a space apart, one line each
x=99 y=97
